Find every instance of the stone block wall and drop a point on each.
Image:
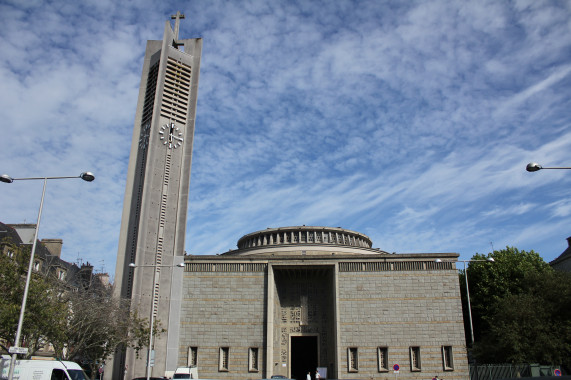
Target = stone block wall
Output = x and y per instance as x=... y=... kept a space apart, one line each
x=224 y=309
x=393 y=304
x=399 y=309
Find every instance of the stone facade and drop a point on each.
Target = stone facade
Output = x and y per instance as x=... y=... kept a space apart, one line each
x=279 y=307
x=230 y=307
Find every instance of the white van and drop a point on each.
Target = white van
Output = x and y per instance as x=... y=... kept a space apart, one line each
x=43 y=370
x=186 y=373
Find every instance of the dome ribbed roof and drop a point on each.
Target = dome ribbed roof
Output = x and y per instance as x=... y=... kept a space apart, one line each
x=304 y=235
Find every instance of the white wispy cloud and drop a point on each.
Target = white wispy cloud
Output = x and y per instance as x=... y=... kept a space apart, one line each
x=409 y=122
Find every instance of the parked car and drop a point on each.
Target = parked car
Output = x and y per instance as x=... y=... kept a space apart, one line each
x=190 y=372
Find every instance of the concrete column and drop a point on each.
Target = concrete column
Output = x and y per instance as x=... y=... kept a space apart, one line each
x=269 y=370
x=336 y=328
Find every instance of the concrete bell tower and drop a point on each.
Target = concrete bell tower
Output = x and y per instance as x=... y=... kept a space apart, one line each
x=155 y=206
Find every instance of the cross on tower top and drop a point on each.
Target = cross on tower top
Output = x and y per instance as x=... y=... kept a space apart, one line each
x=179 y=16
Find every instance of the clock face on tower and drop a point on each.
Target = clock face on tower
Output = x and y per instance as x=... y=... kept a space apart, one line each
x=171 y=135
x=144 y=139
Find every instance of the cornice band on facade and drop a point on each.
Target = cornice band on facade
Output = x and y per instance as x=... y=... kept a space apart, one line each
x=353 y=266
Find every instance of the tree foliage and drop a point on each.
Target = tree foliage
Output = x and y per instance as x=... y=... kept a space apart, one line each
x=82 y=323
x=521 y=309
x=95 y=325
x=41 y=307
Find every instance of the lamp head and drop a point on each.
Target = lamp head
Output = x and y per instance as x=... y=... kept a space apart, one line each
x=533 y=167
x=132 y=265
x=87 y=176
x=180 y=265
x=6 y=178
x=437 y=261
x=490 y=259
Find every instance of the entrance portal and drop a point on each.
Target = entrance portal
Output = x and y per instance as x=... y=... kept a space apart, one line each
x=303 y=356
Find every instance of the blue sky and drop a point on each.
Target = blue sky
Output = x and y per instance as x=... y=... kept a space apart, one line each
x=409 y=121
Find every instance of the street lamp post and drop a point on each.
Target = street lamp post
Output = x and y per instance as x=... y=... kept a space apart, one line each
x=534 y=166
x=491 y=260
x=152 y=317
x=86 y=176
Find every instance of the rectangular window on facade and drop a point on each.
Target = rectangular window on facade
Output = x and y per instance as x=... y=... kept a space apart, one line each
x=223 y=359
x=447 y=359
x=192 y=356
x=415 y=359
x=253 y=359
x=352 y=359
x=383 y=359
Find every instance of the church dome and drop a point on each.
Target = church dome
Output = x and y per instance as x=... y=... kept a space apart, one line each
x=304 y=235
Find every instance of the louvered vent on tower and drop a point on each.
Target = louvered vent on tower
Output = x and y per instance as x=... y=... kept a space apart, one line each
x=150 y=93
x=176 y=92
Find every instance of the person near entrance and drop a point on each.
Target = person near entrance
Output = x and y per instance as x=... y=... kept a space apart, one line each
x=317 y=375
x=308 y=377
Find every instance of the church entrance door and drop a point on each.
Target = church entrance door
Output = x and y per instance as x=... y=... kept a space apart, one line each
x=303 y=356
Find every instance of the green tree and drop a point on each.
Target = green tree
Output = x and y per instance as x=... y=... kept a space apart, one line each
x=95 y=326
x=520 y=309
x=83 y=323
x=41 y=307
x=534 y=325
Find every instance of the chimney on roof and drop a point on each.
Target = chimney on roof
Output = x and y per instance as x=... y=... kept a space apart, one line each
x=53 y=246
x=104 y=278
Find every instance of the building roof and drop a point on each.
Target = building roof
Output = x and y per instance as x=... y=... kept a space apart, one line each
x=312 y=243
x=75 y=275
x=9 y=233
x=309 y=239
x=566 y=255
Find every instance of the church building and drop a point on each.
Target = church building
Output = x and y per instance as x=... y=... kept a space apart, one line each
x=294 y=300
x=289 y=301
